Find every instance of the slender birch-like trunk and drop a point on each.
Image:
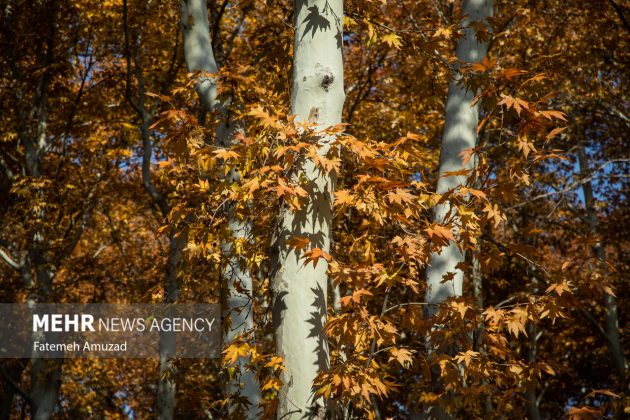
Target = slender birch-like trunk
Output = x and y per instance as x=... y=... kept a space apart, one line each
x=45 y=373
x=299 y=290
x=166 y=383
x=199 y=56
x=460 y=133
x=613 y=340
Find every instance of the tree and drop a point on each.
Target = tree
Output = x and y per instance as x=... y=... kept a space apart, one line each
x=299 y=280
x=200 y=58
x=80 y=216
x=445 y=277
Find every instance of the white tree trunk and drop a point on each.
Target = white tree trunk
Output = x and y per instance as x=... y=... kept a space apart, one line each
x=198 y=49
x=459 y=134
x=300 y=291
x=200 y=57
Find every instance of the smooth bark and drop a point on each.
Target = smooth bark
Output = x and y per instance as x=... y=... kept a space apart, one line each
x=460 y=133
x=200 y=57
x=166 y=383
x=300 y=290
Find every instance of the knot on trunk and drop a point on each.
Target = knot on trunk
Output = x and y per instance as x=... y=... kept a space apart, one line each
x=327 y=80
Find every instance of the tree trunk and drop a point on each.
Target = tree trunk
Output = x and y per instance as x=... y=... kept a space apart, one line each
x=167 y=345
x=45 y=373
x=167 y=385
x=460 y=133
x=200 y=57
x=46 y=380
x=531 y=396
x=299 y=290
x=610 y=302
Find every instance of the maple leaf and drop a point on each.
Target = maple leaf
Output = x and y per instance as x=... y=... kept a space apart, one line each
x=466 y=357
x=443 y=232
x=446 y=32
x=464 y=191
x=402 y=356
x=234 y=351
x=225 y=154
x=551 y=114
x=392 y=40
x=547 y=368
x=584 y=413
x=272 y=383
x=314 y=255
x=516 y=322
x=494 y=213
x=559 y=288
x=461 y=308
x=460 y=172
x=516 y=103
x=495 y=316
x=343 y=197
x=356 y=296
x=264 y=117
x=400 y=196
x=525 y=146
x=553 y=133
x=276 y=363
x=511 y=73
x=466 y=155
x=299 y=242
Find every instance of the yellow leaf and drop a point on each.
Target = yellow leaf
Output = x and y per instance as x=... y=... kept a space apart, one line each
x=392 y=40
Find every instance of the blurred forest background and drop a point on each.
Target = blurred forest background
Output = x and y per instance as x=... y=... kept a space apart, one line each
x=139 y=164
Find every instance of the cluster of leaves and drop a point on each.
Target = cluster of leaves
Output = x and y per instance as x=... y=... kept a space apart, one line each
x=547 y=89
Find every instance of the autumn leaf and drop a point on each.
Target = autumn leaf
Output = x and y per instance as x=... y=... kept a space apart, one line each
x=344 y=197
x=299 y=242
x=494 y=214
x=314 y=255
x=510 y=73
x=234 y=351
x=553 y=133
x=466 y=357
x=392 y=40
x=606 y=392
x=516 y=103
x=225 y=154
x=402 y=356
x=443 y=232
x=550 y=115
x=446 y=32
x=272 y=384
x=400 y=196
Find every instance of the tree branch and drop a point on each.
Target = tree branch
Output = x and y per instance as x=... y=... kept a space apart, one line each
x=619 y=11
x=16 y=387
x=10 y=260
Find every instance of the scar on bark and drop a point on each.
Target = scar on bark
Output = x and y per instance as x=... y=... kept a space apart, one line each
x=327 y=80
x=313 y=115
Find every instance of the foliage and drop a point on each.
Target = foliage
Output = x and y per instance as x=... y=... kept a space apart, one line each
x=554 y=83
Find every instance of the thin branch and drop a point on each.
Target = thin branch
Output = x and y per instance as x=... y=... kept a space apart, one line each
x=133 y=104
x=10 y=260
x=595 y=323
x=16 y=387
x=619 y=11
x=400 y=305
x=571 y=186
